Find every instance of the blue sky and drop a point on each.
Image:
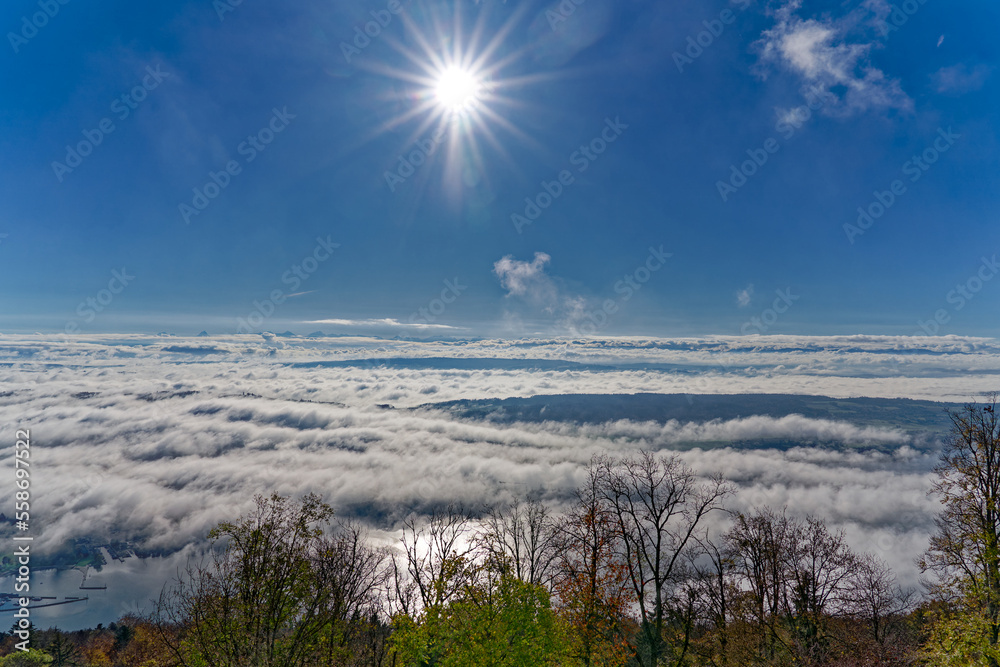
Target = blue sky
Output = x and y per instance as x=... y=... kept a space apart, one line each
x=769 y=256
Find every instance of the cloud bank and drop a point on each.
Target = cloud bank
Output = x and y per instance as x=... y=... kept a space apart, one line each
x=155 y=439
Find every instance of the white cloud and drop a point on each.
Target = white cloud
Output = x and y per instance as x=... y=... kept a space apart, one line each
x=744 y=296
x=132 y=437
x=822 y=54
x=961 y=78
x=526 y=279
x=381 y=322
x=538 y=293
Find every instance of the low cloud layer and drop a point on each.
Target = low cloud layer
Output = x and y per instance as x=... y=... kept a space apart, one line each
x=156 y=439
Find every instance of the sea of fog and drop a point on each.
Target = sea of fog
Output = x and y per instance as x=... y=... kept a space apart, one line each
x=150 y=441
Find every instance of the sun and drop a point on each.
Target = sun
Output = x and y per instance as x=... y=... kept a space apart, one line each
x=457 y=90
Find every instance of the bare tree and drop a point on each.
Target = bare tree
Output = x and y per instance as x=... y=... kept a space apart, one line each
x=877 y=600
x=357 y=575
x=796 y=574
x=659 y=506
x=521 y=537
x=404 y=596
x=437 y=555
x=764 y=545
x=821 y=571
x=714 y=583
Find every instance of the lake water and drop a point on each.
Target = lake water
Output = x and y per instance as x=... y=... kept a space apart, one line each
x=132 y=587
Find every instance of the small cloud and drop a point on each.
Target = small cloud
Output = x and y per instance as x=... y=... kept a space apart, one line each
x=940 y=41
x=539 y=293
x=527 y=279
x=744 y=296
x=794 y=116
x=960 y=78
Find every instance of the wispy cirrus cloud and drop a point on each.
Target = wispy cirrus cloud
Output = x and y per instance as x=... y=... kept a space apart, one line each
x=961 y=78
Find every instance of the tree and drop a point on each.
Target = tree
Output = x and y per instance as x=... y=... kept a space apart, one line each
x=507 y=621
x=437 y=555
x=98 y=649
x=763 y=545
x=138 y=644
x=877 y=601
x=30 y=658
x=460 y=600
x=592 y=582
x=64 y=653
x=964 y=553
x=795 y=576
x=355 y=575
x=521 y=536
x=437 y=569
x=259 y=602
x=659 y=506
x=822 y=565
x=496 y=621
x=954 y=637
x=714 y=584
